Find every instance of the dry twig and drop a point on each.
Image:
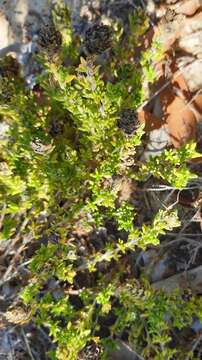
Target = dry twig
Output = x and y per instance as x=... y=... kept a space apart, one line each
x=27 y=344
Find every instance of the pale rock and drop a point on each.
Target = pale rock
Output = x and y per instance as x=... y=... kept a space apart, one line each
x=188 y=7
x=158 y=140
x=150 y=7
x=192 y=43
x=192 y=75
x=6 y=33
x=191 y=25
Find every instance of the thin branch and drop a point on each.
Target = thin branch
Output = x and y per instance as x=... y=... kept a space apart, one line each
x=183 y=234
x=170 y=243
x=14 y=274
x=193 y=219
x=11 y=353
x=27 y=345
x=165 y=188
x=196 y=343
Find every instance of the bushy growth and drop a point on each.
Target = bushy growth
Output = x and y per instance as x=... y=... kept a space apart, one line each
x=62 y=156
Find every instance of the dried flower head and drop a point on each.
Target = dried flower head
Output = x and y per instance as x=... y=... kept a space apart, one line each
x=9 y=67
x=49 y=39
x=90 y=352
x=56 y=127
x=170 y=15
x=98 y=39
x=128 y=121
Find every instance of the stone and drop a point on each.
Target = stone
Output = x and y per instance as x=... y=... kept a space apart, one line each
x=192 y=75
x=6 y=35
x=123 y=351
x=188 y=7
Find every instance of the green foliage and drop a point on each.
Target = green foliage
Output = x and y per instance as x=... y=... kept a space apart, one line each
x=103 y=299
x=60 y=159
x=150 y=316
x=171 y=166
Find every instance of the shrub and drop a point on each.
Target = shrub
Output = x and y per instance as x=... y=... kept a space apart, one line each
x=60 y=159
